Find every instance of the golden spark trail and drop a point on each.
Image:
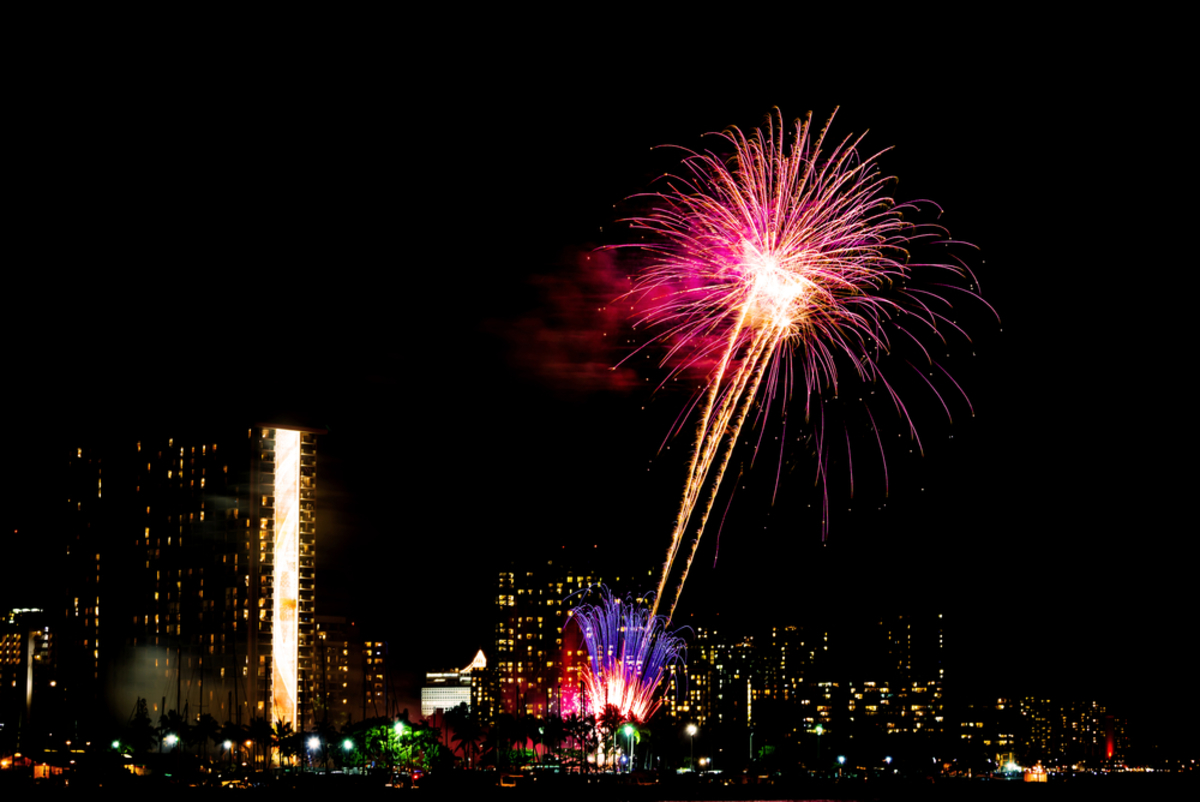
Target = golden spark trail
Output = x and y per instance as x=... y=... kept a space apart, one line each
x=692 y=487
x=712 y=496
x=778 y=248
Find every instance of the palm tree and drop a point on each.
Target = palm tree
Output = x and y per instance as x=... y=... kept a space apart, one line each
x=609 y=722
x=140 y=732
x=282 y=736
x=490 y=745
x=555 y=731
x=503 y=735
x=260 y=732
x=636 y=733
x=328 y=736
x=171 y=723
x=208 y=729
x=523 y=729
x=236 y=734
x=535 y=732
x=466 y=728
x=583 y=731
x=422 y=744
x=375 y=739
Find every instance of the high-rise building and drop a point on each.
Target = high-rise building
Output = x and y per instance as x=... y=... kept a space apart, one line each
x=337 y=673
x=28 y=670
x=1066 y=733
x=190 y=562
x=379 y=694
x=536 y=664
x=747 y=680
x=725 y=673
x=990 y=728
x=915 y=672
x=537 y=655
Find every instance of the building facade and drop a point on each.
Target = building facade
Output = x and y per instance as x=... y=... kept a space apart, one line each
x=1059 y=734
x=336 y=671
x=537 y=652
x=28 y=672
x=445 y=690
x=191 y=573
x=536 y=657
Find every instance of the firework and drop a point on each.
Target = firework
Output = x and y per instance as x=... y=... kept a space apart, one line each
x=629 y=652
x=770 y=270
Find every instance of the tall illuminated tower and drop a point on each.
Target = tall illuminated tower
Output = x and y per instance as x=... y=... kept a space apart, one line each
x=286 y=568
x=190 y=559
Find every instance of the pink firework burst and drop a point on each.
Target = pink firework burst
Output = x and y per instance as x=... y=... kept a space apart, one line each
x=783 y=266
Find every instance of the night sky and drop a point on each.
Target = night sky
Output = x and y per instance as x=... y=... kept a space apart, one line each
x=397 y=251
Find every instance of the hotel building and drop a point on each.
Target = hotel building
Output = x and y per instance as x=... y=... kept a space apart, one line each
x=190 y=562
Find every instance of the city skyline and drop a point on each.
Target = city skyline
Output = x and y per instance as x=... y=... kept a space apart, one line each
x=470 y=409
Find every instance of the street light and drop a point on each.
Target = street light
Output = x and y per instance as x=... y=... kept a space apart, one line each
x=314 y=745
x=629 y=735
x=691 y=731
x=402 y=730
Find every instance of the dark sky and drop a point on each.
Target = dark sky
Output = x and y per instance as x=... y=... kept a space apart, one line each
x=395 y=248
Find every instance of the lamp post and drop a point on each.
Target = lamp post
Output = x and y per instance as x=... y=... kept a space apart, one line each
x=400 y=730
x=820 y=730
x=691 y=731
x=629 y=735
x=314 y=744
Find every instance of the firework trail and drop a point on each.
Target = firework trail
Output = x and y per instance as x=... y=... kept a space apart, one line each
x=629 y=652
x=773 y=266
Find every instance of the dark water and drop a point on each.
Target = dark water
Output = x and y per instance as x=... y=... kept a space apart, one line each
x=481 y=788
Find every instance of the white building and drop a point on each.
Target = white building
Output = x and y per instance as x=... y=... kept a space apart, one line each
x=444 y=690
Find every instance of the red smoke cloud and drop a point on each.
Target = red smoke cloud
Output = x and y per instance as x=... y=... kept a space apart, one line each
x=577 y=331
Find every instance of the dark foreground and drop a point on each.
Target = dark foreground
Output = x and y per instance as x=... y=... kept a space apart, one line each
x=487 y=786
